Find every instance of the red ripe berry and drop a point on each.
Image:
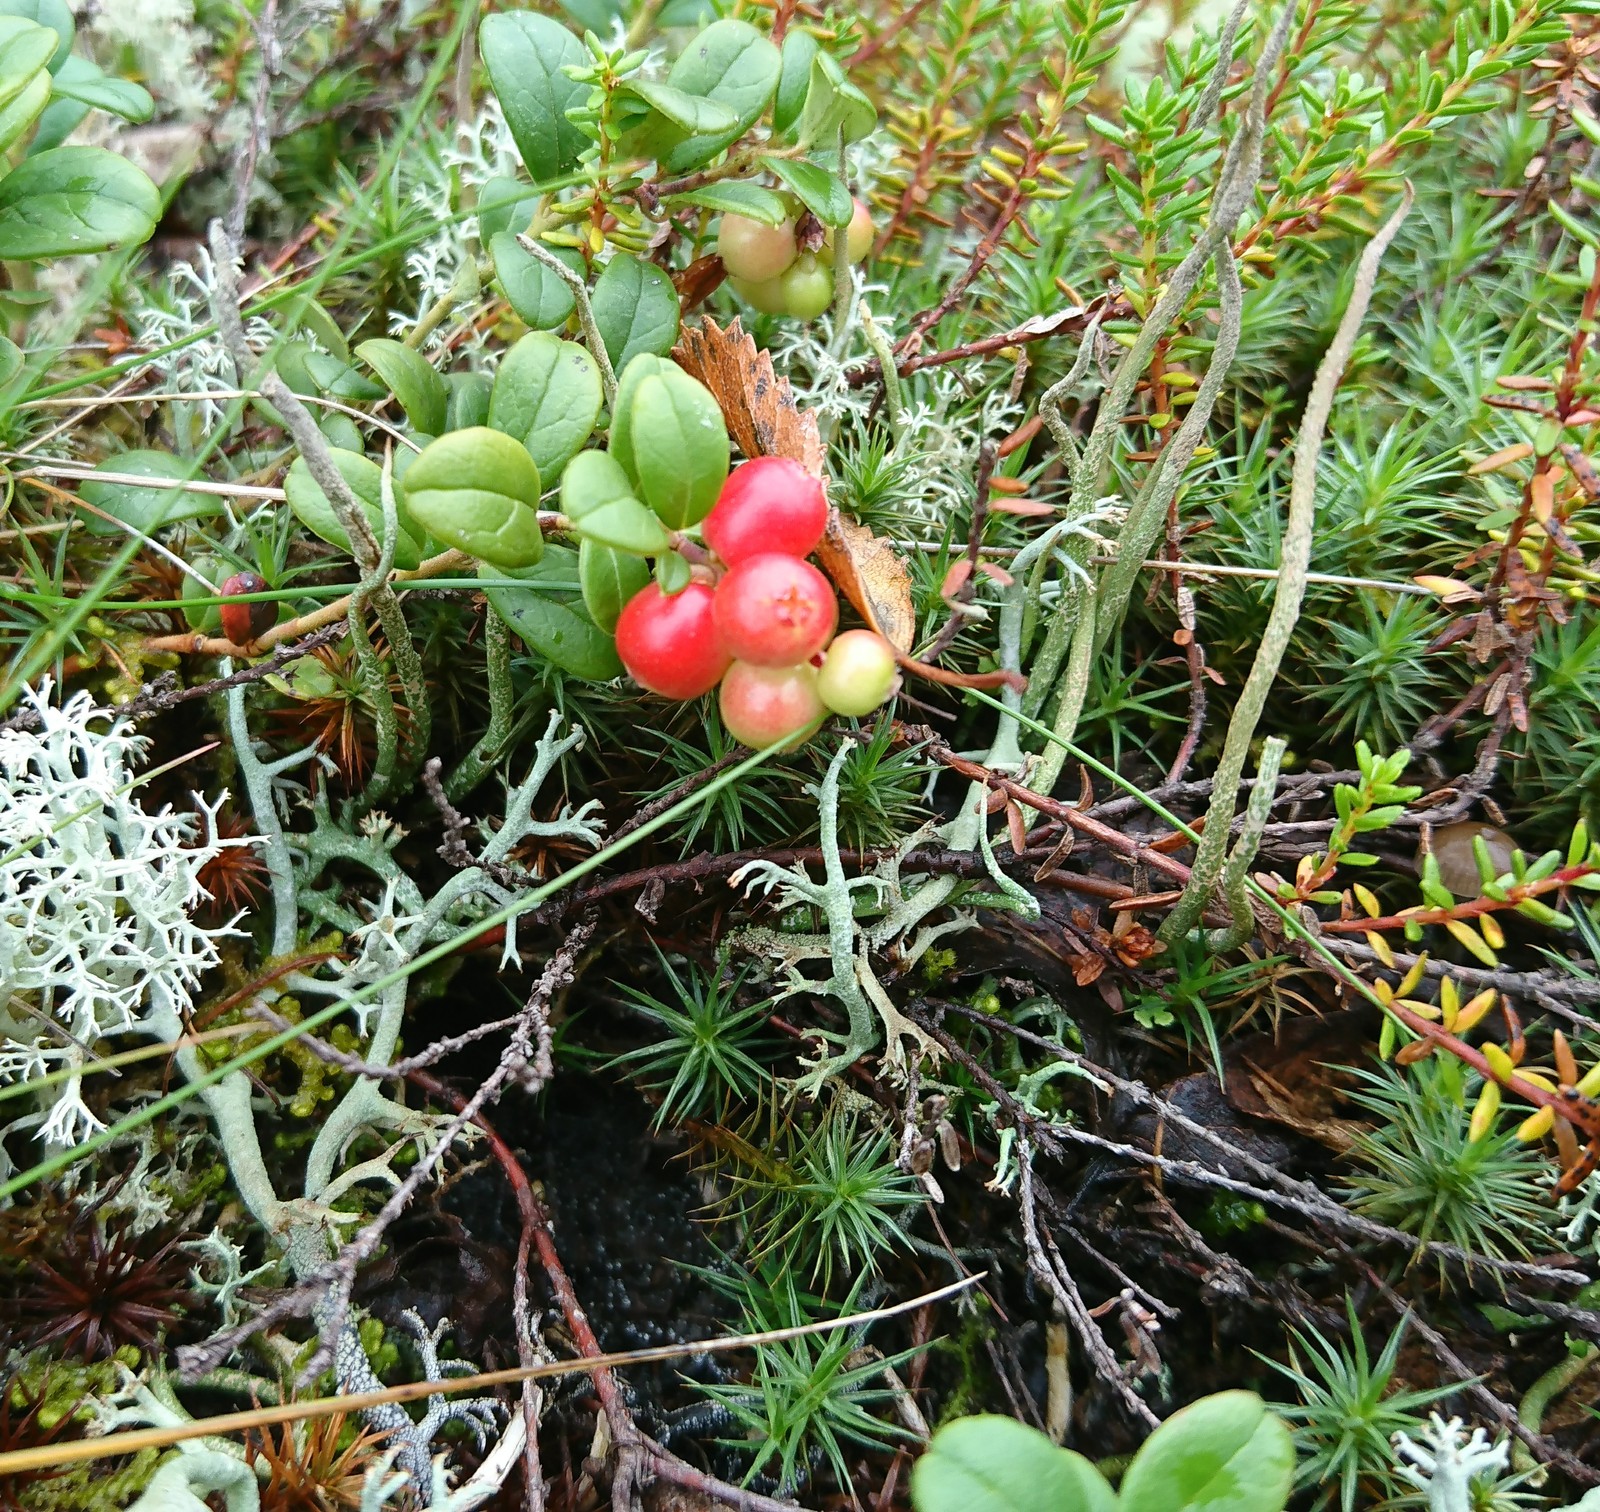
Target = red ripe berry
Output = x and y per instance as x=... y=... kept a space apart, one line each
x=767 y=504
x=775 y=610
x=669 y=643
x=764 y=706
x=244 y=623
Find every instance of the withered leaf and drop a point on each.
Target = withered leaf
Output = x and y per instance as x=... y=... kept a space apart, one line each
x=758 y=406
x=869 y=572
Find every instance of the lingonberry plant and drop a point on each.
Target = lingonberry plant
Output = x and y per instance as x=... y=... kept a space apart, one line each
x=976 y=616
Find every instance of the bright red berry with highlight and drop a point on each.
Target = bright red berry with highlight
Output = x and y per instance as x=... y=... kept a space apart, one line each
x=245 y=623
x=768 y=504
x=858 y=672
x=775 y=611
x=765 y=706
x=670 y=644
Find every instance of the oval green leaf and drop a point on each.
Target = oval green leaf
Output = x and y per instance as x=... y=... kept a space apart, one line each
x=834 y=104
x=505 y=204
x=729 y=62
x=680 y=446
x=25 y=52
x=996 y=1464
x=608 y=579
x=620 y=440
x=411 y=379
x=75 y=200
x=525 y=54
x=23 y=111
x=592 y=478
x=338 y=380
x=636 y=309
x=794 y=80
x=824 y=194
x=469 y=400
x=311 y=507
x=1224 y=1453
x=537 y=293
x=478 y=490
x=79 y=79
x=625 y=525
x=733 y=197
x=672 y=573
x=547 y=394
x=556 y=624
x=145 y=509
x=679 y=109
x=56 y=15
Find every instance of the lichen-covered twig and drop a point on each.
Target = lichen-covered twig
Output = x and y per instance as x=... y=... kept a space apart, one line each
x=1290 y=589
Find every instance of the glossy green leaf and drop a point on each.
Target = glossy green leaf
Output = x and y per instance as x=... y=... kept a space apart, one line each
x=505 y=204
x=145 y=509
x=75 y=200
x=81 y=80
x=735 y=65
x=26 y=49
x=677 y=108
x=824 y=194
x=313 y=510
x=592 y=478
x=201 y=611
x=24 y=110
x=58 y=120
x=525 y=53
x=794 y=78
x=625 y=525
x=478 y=490
x=308 y=314
x=1224 y=1453
x=343 y=432
x=555 y=623
x=537 y=293
x=609 y=579
x=11 y=360
x=469 y=400
x=679 y=445
x=619 y=443
x=733 y=196
x=673 y=573
x=598 y=16
x=547 y=394
x=636 y=309
x=339 y=380
x=411 y=379
x=833 y=104
x=996 y=1464
x=56 y=15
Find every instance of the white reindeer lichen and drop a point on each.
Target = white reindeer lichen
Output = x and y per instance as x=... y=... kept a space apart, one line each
x=1443 y=1463
x=96 y=897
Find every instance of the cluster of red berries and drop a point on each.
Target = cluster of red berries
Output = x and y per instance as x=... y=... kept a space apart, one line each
x=764 y=629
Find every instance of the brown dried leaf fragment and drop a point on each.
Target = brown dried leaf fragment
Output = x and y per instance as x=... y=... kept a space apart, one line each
x=870 y=573
x=758 y=406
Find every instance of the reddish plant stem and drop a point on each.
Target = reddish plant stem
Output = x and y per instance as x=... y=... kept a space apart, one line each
x=1470 y=910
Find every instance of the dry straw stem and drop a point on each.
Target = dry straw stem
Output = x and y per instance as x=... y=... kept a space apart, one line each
x=77 y=1451
x=1290 y=591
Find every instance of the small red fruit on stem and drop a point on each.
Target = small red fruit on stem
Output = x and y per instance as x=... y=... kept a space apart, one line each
x=765 y=706
x=669 y=644
x=768 y=504
x=775 y=611
x=244 y=623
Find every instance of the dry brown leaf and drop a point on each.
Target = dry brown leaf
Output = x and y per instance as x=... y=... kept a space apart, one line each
x=869 y=572
x=758 y=406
